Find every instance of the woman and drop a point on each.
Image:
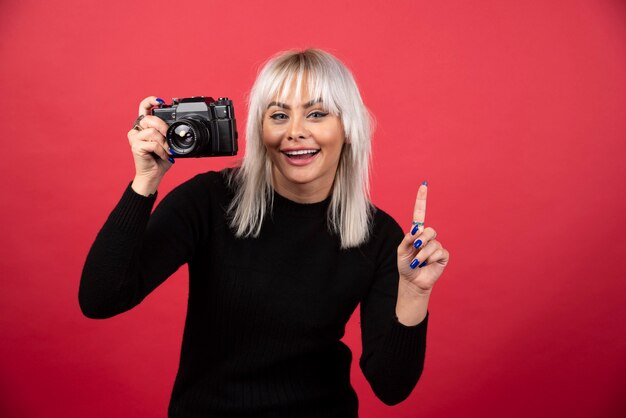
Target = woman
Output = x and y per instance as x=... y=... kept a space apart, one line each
x=280 y=253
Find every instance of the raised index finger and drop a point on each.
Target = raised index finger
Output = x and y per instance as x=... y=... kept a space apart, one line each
x=419 y=212
x=146 y=104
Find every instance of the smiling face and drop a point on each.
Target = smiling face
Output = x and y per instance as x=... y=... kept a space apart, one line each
x=304 y=142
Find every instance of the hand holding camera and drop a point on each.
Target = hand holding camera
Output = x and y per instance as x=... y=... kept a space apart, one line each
x=193 y=127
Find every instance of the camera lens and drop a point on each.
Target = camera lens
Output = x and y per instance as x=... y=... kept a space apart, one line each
x=187 y=137
x=183 y=136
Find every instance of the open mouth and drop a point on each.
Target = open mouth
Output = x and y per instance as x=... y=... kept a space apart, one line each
x=301 y=154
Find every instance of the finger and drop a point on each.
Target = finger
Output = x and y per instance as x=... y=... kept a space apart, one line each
x=144 y=148
x=410 y=246
x=419 y=211
x=155 y=122
x=148 y=135
x=406 y=246
x=424 y=238
x=428 y=255
x=134 y=133
x=440 y=255
x=427 y=249
x=146 y=104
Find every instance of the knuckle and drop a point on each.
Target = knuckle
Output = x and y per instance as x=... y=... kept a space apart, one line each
x=140 y=146
x=136 y=138
x=152 y=134
x=158 y=135
x=155 y=121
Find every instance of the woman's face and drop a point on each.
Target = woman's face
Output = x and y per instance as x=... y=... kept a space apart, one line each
x=304 y=142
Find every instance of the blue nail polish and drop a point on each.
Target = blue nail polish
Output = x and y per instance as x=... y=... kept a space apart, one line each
x=170 y=159
x=414 y=263
x=422 y=265
x=425 y=183
x=172 y=152
x=414 y=230
x=417 y=243
x=160 y=100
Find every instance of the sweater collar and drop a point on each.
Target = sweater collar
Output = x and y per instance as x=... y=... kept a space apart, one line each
x=284 y=205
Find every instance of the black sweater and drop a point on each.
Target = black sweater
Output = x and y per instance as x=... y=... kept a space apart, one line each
x=265 y=315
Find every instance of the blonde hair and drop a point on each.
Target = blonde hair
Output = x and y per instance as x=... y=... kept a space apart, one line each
x=326 y=78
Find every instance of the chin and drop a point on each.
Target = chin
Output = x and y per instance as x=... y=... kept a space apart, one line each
x=299 y=178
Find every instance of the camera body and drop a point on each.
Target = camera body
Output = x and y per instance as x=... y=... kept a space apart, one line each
x=200 y=126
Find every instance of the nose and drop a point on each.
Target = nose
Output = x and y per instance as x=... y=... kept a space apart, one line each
x=297 y=129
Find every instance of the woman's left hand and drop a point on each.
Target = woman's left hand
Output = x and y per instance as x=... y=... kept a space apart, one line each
x=421 y=258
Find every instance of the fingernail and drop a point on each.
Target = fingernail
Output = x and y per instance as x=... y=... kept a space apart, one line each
x=425 y=183
x=417 y=243
x=422 y=265
x=414 y=230
x=414 y=263
x=170 y=159
x=172 y=152
x=158 y=99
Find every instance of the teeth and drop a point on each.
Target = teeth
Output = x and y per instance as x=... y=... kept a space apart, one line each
x=301 y=152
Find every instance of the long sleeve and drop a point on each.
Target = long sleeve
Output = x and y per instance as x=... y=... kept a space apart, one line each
x=134 y=251
x=265 y=315
x=393 y=354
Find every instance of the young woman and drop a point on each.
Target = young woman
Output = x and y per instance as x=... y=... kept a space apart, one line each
x=280 y=251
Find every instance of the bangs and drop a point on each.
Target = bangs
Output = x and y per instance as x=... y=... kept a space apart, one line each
x=306 y=75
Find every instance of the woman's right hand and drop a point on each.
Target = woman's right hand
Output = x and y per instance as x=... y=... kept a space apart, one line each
x=147 y=144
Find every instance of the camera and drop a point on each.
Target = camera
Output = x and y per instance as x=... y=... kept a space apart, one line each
x=200 y=126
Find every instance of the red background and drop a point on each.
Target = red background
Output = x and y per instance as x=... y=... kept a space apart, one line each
x=513 y=111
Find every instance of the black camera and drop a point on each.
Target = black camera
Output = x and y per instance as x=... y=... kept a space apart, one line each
x=200 y=126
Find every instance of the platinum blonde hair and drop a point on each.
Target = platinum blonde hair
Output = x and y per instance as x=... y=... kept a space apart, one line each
x=326 y=78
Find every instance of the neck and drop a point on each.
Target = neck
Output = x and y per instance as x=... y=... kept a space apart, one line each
x=303 y=193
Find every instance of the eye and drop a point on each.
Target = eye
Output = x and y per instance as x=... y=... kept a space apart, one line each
x=278 y=116
x=318 y=114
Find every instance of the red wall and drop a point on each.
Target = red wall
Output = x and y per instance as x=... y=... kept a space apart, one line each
x=513 y=111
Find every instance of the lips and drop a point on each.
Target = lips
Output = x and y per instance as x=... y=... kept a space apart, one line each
x=300 y=157
x=300 y=153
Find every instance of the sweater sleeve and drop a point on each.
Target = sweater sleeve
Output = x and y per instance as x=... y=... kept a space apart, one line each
x=135 y=251
x=393 y=354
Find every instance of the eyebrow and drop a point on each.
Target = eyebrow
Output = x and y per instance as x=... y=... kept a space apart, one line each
x=286 y=106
